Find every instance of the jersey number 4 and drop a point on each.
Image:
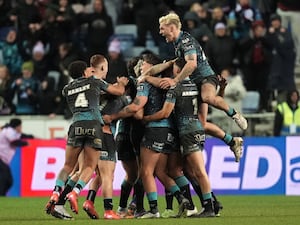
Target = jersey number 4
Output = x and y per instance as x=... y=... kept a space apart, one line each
x=81 y=100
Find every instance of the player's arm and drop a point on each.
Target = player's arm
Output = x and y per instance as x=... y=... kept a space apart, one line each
x=165 y=112
x=155 y=81
x=189 y=67
x=158 y=68
x=119 y=87
x=138 y=103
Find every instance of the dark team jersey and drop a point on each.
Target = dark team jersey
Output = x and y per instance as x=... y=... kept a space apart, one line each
x=186 y=44
x=111 y=104
x=156 y=98
x=83 y=98
x=185 y=98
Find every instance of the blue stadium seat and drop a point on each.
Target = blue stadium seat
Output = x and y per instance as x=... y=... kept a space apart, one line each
x=250 y=102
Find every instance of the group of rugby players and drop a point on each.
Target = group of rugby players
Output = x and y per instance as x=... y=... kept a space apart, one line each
x=156 y=120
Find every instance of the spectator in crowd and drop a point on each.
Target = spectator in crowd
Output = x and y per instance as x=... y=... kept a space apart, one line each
x=255 y=60
x=5 y=97
x=10 y=53
x=5 y=6
x=201 y=12
x=10 y=138
x=199 y=30
x=41 y=62
x=266 y=9
x=65 y=17
x=58 y=25
x=290 y=15
x=25 y=88
x=233 y=95
x=46 y=97
x=281 y=76
x=116 y=63
x=217 y=16
x=220 y=43
x=113 y=9
x=66 y=55
x=126 y=15
x=240 y=19
x=27 y=17
x=224 y=5
x=146 y=17
x=100 y=28
x=181 y=6
x=287 y=116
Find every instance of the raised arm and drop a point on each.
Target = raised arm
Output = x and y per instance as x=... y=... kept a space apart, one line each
x=158 y=68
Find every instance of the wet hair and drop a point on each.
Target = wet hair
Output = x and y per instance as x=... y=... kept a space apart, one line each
x=131 y=64
x=151 y=58
x=76 y=69
x=96 y=60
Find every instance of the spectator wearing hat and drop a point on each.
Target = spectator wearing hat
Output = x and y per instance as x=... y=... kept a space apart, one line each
x=24 y=90
x=198 y=29
x=255 y=60
x=10 y=138
x=282 y=77
x=220 y=49
x=41 y=62
x=116 y=63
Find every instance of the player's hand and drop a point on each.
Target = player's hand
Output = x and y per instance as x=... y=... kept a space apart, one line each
x=222 y=82
x=141 y=79
x=166 y=83
x=122 y=80
x=107 y=119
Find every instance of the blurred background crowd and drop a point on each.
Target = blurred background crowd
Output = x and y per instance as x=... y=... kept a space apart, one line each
x=254 y=43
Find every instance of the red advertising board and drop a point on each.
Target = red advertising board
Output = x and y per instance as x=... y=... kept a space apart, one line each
x=37 y=182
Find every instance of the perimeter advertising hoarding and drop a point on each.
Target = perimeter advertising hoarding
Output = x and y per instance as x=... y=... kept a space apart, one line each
x=268 y=166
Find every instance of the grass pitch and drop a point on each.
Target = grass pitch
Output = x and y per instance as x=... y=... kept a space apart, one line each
x=238 y=210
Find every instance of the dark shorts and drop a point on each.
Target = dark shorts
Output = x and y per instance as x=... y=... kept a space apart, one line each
x=108 y=152
x=213 y=79
x=85 y=133
x=136 y=135
x=172 y=144
x=125 y=148
x=157 y=139
x=192 y=142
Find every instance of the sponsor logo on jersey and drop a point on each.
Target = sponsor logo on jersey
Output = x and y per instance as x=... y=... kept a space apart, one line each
x=189 y=93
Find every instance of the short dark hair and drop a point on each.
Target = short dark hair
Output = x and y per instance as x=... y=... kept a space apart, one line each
x=151 y=58
x=76 y=69
x=15 y=122
x=131 y=64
